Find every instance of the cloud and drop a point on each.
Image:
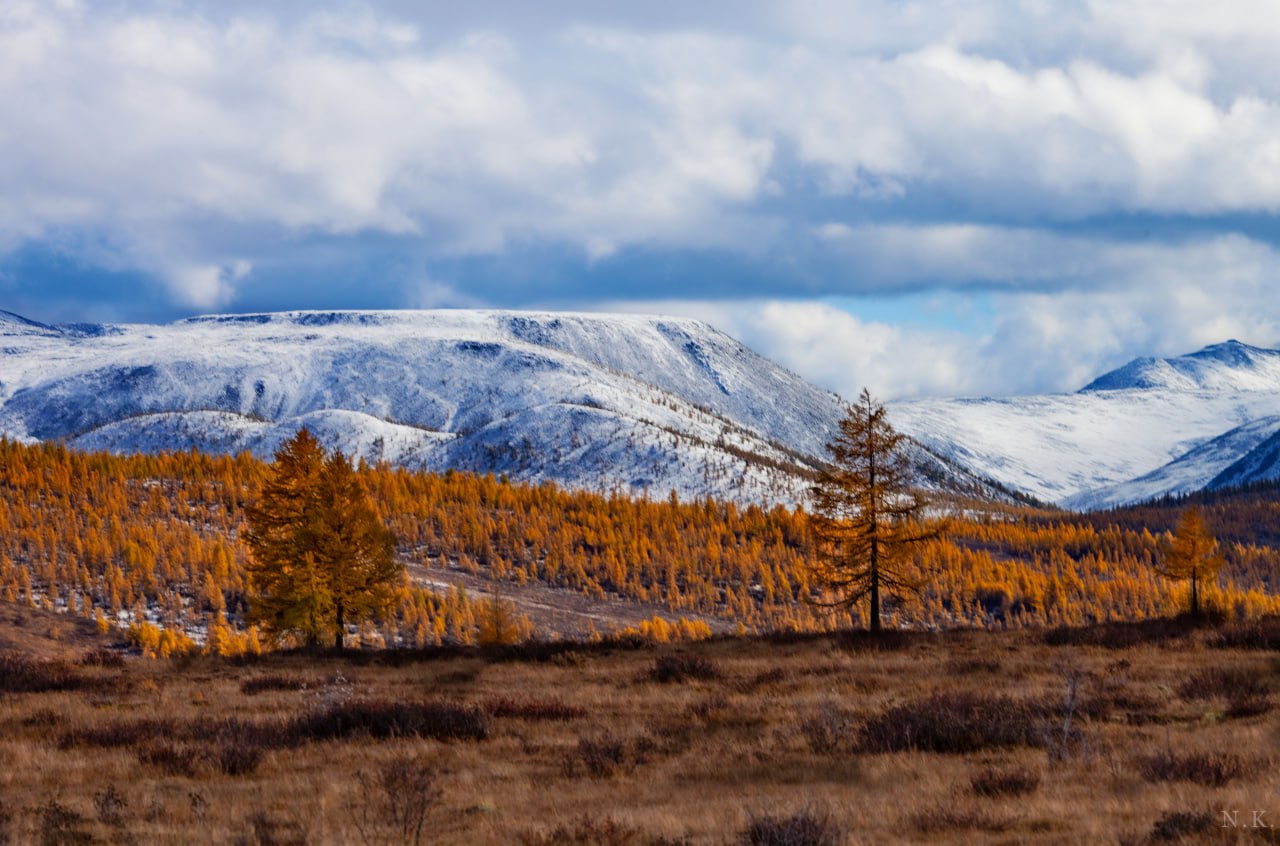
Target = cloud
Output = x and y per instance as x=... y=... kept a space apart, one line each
x=205 y=286
x=1092 y=168
x=1015 y=341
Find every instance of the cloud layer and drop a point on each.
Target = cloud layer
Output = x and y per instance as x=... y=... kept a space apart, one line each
x=1103 y=174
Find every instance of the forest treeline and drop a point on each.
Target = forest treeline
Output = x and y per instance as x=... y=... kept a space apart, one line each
x=153 y=543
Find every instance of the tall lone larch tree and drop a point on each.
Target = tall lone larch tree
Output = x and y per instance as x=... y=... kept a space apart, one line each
x=867 y=517
x=1191 y=555
x=320 y=556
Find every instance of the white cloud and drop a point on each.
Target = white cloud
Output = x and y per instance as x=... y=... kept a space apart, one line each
x=1027 y=341
x=850 y=147
x=601 y=137
x=432 y=293
x=205 y=286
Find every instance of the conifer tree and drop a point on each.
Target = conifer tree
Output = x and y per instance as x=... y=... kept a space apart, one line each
x=1191 y=555
x=285 y=591
x=867 y=517
x=320 y=557
x=353 y=550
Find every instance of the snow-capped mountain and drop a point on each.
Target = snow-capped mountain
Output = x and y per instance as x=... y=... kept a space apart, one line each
x=628 y=402
x=1151 y=427
x=636 y=403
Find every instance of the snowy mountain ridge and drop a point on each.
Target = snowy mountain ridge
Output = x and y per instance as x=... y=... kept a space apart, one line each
x=1151 y=427
x=635 y=403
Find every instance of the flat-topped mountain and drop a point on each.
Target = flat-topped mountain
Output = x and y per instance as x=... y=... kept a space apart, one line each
x=641 y=404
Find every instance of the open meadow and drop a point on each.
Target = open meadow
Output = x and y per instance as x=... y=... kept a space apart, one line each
x=1152 y=732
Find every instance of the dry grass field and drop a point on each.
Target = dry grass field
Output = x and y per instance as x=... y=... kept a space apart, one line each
x=1127 y=734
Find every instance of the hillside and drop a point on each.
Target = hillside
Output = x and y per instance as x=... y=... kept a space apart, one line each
x=1152 y=427
x=151 y=545
x=644 y=405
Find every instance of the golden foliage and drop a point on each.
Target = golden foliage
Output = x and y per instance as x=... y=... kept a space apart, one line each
x=160 y=540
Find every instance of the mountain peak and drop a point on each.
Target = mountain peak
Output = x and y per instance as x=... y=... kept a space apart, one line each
x=1230 y=365
x=11 y=324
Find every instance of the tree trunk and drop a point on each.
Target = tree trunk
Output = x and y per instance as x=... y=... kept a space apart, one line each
x=338 y=640
x=1195 y=596
x=875 y=600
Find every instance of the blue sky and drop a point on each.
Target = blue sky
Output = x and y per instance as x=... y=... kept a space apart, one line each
x=926 y=198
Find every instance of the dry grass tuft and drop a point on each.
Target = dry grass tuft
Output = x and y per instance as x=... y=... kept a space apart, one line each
x=951 y=818
x=588 y=831
x=809 y=826
x=955 y=723
x=382 y=719
x=1179 y=826
x=684 y=667
x=527 y=708
x=1015 y=781
x=828 y=731
x=275 y=681
x=1122 y=635
x=1211 y=768
x=1263 y=633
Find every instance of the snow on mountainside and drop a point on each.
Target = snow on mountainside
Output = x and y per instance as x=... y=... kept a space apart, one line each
x=1227 y=366
x=1260 y=464
x=1151 y=427
x=638 y=403
x=1190 y=472
x=587 y=400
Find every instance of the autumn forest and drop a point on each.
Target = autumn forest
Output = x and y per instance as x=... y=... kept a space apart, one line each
x=153 y=545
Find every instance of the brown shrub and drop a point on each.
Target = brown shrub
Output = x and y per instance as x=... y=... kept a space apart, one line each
x=177 y=759
x=102 y=656
x=61 y=825
x=887 y=640
x=764 y=679
x=237 y=756
x=110 y=805
x=608 y=755
x=397 y=800
x=1263 y=633
x=119 y=734
x=1017 y=781
x=534 y=709
x=827 y=731
x=679 y=668
x=1211 y=768
x=1181 y=825
x=810 y=826
x=973 y=666
x=262 y=684
x=587 y=831
x=1121 y=635
x=1229 y=683
x=20 y=674
x=954 y=723
x=381 y=719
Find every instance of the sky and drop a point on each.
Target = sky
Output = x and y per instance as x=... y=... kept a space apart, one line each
x=925 y=198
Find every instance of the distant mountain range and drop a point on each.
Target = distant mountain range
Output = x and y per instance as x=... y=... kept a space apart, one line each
x=1152 y=427
x=638 y=404
x=643 y=405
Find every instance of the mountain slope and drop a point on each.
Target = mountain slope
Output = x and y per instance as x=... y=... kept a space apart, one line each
x=1260 y=464
x=637 y=403
x=1227 y=366
x=1151 y=427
